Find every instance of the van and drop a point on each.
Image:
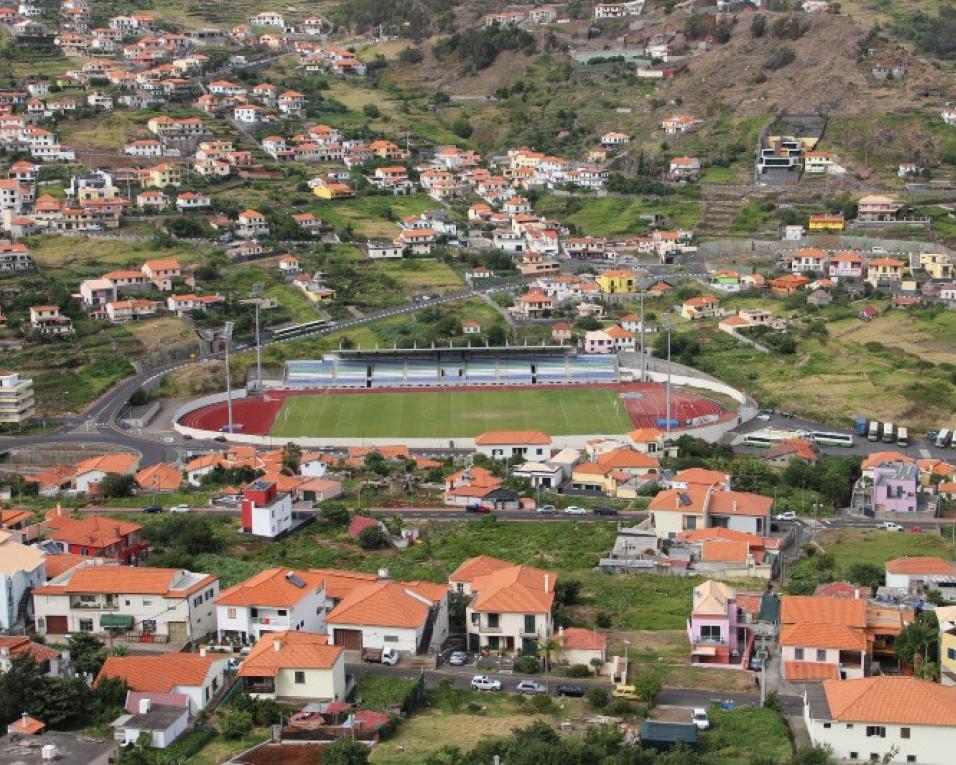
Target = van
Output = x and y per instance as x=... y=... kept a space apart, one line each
x=874 y=433
x=888 y=432
x=942 y=439
x=902 y=437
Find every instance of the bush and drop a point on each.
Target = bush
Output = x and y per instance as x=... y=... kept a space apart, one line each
x=235 y=723
x=603 y=619
x=780 y=58
x=334 y=515
x=462 y=128
x=411 y=55
x=526 y=665
x=372 y=538
x=371 y=111
x=621 y=708
x=648 y=684
x=542 y=704
x=596 y=697
x=578 y=670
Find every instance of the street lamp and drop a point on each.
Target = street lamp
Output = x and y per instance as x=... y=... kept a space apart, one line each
x=643 y=348
x=627 y=646
x=666 y=322
x=226 y=335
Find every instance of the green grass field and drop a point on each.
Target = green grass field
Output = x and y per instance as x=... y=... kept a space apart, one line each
x=452 y=413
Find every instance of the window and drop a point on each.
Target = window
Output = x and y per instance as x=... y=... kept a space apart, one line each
x=147 y=602
x=282 y=612
x=826 y=725
x=230 y=613
x=875 y=730
x=493 y=621
x=149 y=625
x=821 y=654
x=798 y=654
x=390 y=638
x=951 y=653
x=300 y=678
x=86 y=625
x=253 y=612
x=207 y=694
x=529 y=623
x=849 y=726
x=710 y=632
x=904 y=732
x=911 y=758
x=126 y=602
x=854 y=755
x=87 y=599
x=460 y=588
x=197 y=601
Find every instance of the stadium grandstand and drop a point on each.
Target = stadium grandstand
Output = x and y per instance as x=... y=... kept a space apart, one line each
x=432 y=367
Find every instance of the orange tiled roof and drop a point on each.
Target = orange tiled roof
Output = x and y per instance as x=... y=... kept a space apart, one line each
x=160 y=477
x=811 y=609
x=383 y=604
x=724 y=551
x=480 y=565
x=809 y=671
x=899 y=700
x=919 y=565
x=128 y=580
x=701 y=476
x=627 y=458
x=882 y=458
x=297 y=650
x=60 y=564
x=159 y=673
x=520 y=589
x=338 y=584
x=823 y=635
x=91 y=531
x=509 y=437
x=576 y=638
x=28 y=726
x=18 y=645
x=108 y=463
x=270 y=588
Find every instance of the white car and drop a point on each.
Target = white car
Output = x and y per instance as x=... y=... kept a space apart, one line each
x=787 y=516
x=575 y=510
x=485 y=683
x=458 y=659
x=890 y=526
x=169 y=440
x=180 y=509
x=699 y=718
x=764 y=414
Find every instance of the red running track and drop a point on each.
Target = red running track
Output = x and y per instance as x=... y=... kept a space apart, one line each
x=257 y=414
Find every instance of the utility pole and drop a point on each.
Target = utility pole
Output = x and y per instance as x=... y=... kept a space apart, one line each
x=256 y=296
x=227 y=336
x=667 y=325
x=643 y=349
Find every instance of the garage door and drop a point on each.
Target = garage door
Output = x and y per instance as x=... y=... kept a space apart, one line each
x=178 y=632
x=350 y=640
x=57 y=625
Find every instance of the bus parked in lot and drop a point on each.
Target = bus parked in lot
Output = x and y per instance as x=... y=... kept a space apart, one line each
x=902 y=437
x=874 y=434
x=768 y=437
x=831 y=439
x=888 y=433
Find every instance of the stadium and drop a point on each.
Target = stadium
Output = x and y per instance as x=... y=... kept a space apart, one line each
x=454 y=393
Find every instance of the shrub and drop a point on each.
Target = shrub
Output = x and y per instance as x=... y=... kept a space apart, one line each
x=542 y=704
x=596 y=697
x=621 y=707
x=235 y=723
x=411 y=55
x=780 y=58
x=578 y=670
x=372 y=538
x=648 y=684
x=526 y=665
x=603 y=619
x=462 y=128
x=371 y=111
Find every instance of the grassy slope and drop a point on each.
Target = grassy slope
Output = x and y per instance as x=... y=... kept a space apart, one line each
x=452 y=413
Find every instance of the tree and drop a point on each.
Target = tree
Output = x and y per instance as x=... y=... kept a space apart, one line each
x=648 y=685
x=758 y=26
x=292 y=457
x=865 y=574
x=371 y=111
x=115 y=485
x=334 y=515
x=376 y=463
x=917 y=639
x=235 y=723
x=597 y=662
x=812 y=755
x=596 y=697
x=497 y=335
x=344 y=751
x=394 y=525
x=566 y=591
x=411 y=55
x=87 y=652
x=462 y=128
x=372 y=538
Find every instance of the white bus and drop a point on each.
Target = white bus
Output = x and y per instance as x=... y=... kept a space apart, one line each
x=874 y=433
x=902 y=437
x=768 y=437
x=942 y=439
x=831 y=439
x=889 y=433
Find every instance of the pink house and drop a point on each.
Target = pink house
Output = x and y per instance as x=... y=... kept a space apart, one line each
x=846 y=265
x=717 y=629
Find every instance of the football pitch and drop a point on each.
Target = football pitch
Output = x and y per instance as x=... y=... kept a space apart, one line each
x=453 y=413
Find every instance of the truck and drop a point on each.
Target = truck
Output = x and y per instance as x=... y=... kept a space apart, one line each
x=902 y=437
x=889 y=433
x=874 y=432
x=861 y=425
x=385 y=655
x=942 y=439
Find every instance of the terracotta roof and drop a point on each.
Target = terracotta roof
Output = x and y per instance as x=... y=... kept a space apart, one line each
x=899 y=700
x=694 y=498
x=91 y=531
x=509 y=437
x=126 y=580
x=18 y=645
x=338 y=584
x=576 y=638
x=60 y=564
x=627 y=458
x=700 y=475
x=810 y=609
x=920 y=565
x=520 y=589
x=840 y=590
x=382 y=604
x=160 y=673
x=28 y=726
x=881 y=458
x=809 y=671
x=108 y=463
x=360 y=523
x=480 y=565
x=822 y=635
x=711 y=597
x=724 y=551
x=160 y=477
x=271 y=587
x=643 y=435
x=297 y=650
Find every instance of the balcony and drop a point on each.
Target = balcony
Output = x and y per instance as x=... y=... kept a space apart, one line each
x=259 y=685
x=97 y=606
x=485 y=629
x=710 y=641
x=279 y=622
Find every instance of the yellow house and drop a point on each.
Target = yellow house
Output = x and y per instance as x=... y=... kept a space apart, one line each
x=329 y=190
x=884 y=270
x=294 y=665
x=162 y=175
x=947 y=644
x=937 y=265
x=618 y=280
x=589 y=476
x=826 y=222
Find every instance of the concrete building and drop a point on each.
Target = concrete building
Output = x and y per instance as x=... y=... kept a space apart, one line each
x=16 y=398
x=21 y=569
x=266 y=512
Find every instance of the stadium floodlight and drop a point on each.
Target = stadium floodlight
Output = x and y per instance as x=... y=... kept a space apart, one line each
x=256 y=295
x=226 y=335
x=666 y=323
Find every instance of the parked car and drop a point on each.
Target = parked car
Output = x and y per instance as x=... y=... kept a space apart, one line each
x=547 y=510
x=916 y=529
x=531 y=687
x=604 y=510
x=787 y=516
x=169 y=440
x=788 y=415
x=890 y=526
x=571 y=690
x=699 y=718
x=575 y=510
x=756 y=662
x=765 y=414
x=180 y=508
x=388 y=656
x=628 y=692
x=458 y=658
x=485 y=683
x=477 y=509
x=151 y=509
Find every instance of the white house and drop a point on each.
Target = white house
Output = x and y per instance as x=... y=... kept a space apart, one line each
x=505 y=444
x=21 y=569
x=295 y=665
x=266 y=512
x=163 y=721
x=273 y=600
x=912 y=573
x=903 y=718
x=198 y=676
x=173 y=604
x=390 y=614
